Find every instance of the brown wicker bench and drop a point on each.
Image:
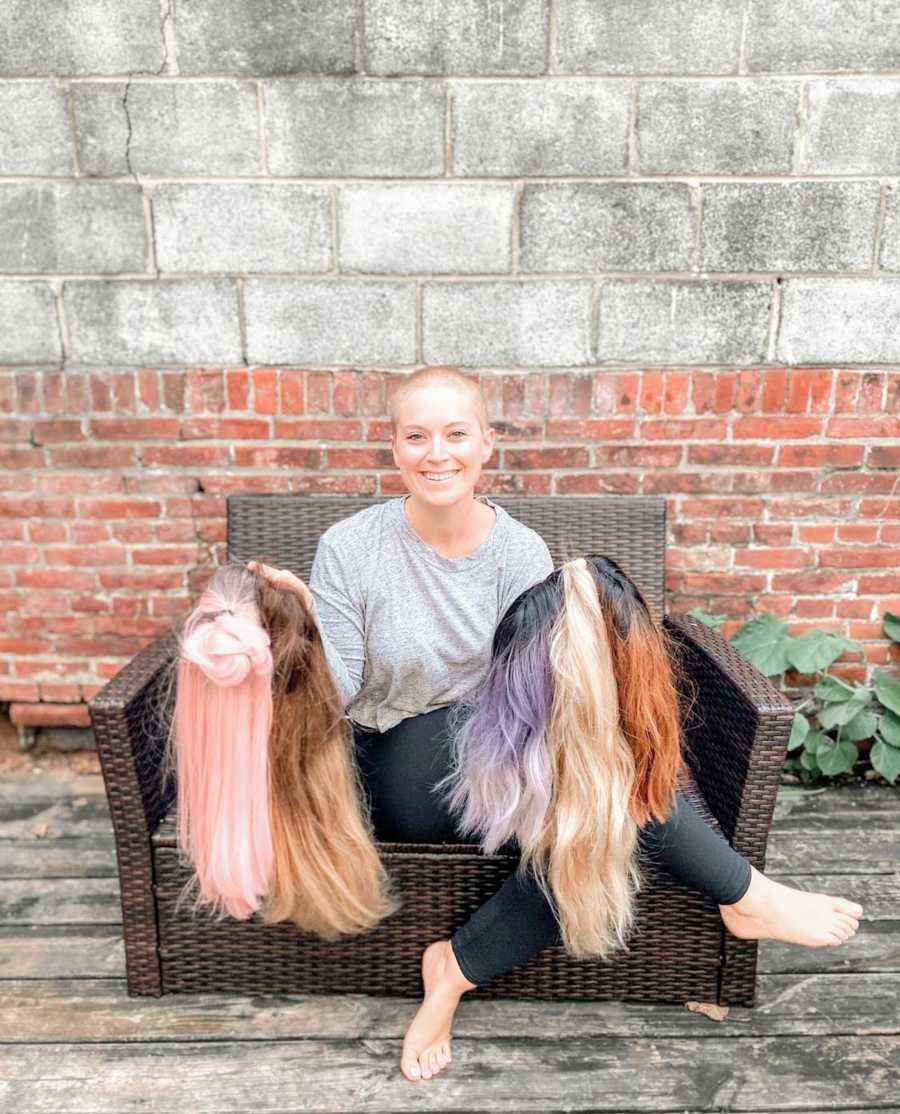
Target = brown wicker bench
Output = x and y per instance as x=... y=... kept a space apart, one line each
x=736 y=722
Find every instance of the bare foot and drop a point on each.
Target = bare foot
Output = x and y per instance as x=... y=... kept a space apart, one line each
x=426 y=1046
x=772 y=911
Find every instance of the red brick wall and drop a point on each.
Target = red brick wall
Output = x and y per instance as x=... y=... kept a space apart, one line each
x=783 y=489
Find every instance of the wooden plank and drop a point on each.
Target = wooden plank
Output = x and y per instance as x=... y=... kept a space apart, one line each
x=93 y=855
x=62 y=951
x=62 y=818
x=84 y=1010
x=598 y=1074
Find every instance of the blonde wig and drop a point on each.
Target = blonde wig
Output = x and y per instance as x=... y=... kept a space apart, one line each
x=571 y=744
x=270 y=803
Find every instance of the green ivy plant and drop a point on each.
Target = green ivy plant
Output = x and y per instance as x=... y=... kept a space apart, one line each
x=845 y=714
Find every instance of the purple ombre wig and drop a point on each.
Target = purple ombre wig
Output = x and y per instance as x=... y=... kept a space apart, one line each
x=501 y=782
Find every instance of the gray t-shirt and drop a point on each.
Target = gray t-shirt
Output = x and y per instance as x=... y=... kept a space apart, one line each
x=406 y=629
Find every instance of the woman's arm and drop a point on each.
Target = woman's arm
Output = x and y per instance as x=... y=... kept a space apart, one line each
x=338 y=610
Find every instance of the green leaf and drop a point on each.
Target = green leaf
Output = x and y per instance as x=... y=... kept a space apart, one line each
x=892 y=626
x=707 y=618
x=762 y=642
x=814 y=651
x=816 y=740
x=889 y=729
x=808 y=761
x=799 y=731
x=833 y=714
x=860 y=727
x=832 y=690
x=886 y=760
x=887 y=689
x=837 y=759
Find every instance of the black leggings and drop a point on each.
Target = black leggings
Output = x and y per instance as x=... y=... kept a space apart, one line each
x=399 y=768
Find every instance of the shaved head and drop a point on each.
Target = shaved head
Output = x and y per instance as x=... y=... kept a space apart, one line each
x=439 y=377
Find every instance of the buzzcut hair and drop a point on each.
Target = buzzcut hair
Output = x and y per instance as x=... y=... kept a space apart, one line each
x=443 y=377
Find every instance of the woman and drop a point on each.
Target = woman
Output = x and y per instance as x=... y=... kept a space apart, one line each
x=407 y=594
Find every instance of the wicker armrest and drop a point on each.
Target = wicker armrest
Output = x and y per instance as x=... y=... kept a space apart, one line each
x=130 y=743
x=736 y=726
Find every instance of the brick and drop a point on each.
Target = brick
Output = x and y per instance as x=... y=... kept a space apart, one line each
x=431 y=228
x=536 y=128
x=715 y=127
x=588 y=226
x=80 y=37
x=644 y=36
x=478 y=37
x=788 y=226
x=357 y=126
x=163 y=322
x=176 y=127
x=321 y=322
x=29 y=331
x=34 y=123
x=839 y=319
x=266 y=37
x=507 y=323
x=667 y=322
x=72 y=226
x=802 y=36
x=236 y=227
x=852 y=126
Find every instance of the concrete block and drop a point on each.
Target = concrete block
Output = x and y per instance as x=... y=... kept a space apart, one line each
x=355 y=126
x=265 y=38
x=80 y=37
x=889 y=255
x=607 y=226
x=528 y=323
x=475 y=37
x=846 y=320
x=677 y=321
x=187 y=127
x=853 y=127
x=35 y=136
x=805 y=36
x=647 y=37
x=323 y=322
x=432 y=228
x=788 y=226
x=59 y=227
x=29 y=330
x=546 y=127
x=242 y=227
x=716 y=127
x=170 y=321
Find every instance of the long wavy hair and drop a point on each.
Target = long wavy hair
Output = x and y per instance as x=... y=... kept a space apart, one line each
x=570 y=744
x=271 y=808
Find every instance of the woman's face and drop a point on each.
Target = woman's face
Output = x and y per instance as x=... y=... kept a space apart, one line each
x=438 y=432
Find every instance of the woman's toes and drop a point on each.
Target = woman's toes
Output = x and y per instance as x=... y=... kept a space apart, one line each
x=851 y=907
x=411 y=1069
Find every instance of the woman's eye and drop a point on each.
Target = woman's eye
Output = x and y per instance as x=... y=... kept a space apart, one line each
x=461 y=432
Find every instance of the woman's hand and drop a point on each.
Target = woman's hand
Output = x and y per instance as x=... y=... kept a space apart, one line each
x=283 y=578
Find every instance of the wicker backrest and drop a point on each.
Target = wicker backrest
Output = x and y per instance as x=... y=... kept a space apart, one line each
x=284 y=530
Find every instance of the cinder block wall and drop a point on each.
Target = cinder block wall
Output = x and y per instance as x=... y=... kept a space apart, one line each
x=666 y=235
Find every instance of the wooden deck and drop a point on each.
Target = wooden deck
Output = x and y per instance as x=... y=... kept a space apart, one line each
x=825 y=1035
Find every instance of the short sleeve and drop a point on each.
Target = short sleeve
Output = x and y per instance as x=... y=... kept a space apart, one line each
x=533 y=565
x=339 y=610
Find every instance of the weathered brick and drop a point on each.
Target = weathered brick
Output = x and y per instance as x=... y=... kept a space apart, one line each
x=436 y=228
x=355 y=127
x=679 y=321
x=478 y=37
x=507 y=323
x=788 y=226
x=802 y=36
x=72 y=226
x=177 y=127
x=29 y=331
x=852 y=127
x=34 y=124
x=545 y=127
x=80 y=37
x=266 y=37
x=237 y=227
x=840 y=319
x=321 y=322
x=713 y=127
x=591 y=226
x=644 y=36
x=176 y=321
